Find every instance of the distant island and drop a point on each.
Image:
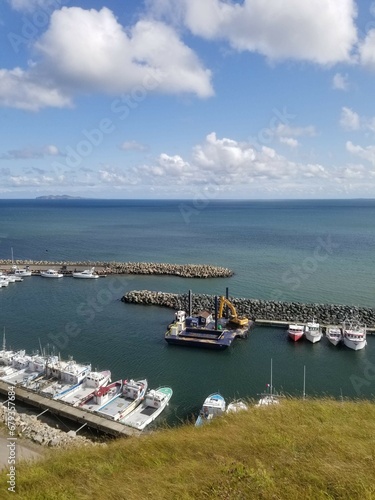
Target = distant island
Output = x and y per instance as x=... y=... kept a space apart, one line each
x=59 y=197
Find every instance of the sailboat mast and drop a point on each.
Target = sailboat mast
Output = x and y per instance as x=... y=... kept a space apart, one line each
x=271 y=379
x=4 y=340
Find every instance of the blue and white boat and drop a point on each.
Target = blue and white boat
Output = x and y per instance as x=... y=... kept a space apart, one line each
x=213 y=406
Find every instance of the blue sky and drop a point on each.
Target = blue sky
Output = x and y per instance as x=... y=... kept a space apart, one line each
x=247 y=99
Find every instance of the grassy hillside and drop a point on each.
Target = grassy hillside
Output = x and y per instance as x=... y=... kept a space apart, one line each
x=309 y=449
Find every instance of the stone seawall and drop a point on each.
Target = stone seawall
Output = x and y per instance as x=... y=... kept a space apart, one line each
x=258 y=309
x=156 y=268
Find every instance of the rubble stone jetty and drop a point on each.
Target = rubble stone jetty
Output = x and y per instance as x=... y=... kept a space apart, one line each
x=155 y=268
x=326 y=314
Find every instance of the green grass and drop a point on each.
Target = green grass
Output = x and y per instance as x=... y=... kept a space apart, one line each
x=313 y=449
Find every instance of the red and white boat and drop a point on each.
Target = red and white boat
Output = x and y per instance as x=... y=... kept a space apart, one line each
x=295 y=331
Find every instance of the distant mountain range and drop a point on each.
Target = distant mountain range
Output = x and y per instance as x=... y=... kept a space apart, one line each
x=59 y=197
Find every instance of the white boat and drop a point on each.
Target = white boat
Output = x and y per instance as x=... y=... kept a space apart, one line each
x=155 y=401
x=25 y=369
x=3 y=281
x=102 y=396
x=334 y=334
x=133 y=393
x=84 y=391
x=51 y=273
x=65 y=375
x=236 y=406
x=213 y=406
x=269 y=397
x=313 y=332
x=354 y=335
x=295 y=331
x=86 y=274
x=22 y=273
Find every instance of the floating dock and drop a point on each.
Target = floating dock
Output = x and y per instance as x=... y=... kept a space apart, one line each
x=69 y=412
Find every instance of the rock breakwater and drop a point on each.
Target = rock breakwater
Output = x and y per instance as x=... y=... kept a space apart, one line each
x=156 y=268
x=29 y=427
x=257 y=309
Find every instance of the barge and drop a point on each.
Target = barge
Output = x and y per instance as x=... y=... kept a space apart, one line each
x=203 y=330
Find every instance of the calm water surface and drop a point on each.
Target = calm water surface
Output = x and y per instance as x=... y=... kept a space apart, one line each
x=302 y=251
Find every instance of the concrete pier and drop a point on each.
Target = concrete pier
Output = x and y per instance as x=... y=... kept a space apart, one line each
x=70 y=412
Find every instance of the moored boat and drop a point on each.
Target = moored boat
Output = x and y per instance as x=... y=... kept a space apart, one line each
x=155 y=401
x=102 y=396
x=51 y=273
x=295 y=331
x=354 y=335
x=334 y=335
x=236 y=406
x=86 y=274
x=269 y=397
x=23 y=273
x=313 y=332
x=92 y=382
x=213 y=406
x=132 y=395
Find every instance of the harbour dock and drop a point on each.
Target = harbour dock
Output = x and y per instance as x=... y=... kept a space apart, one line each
x=69 y=412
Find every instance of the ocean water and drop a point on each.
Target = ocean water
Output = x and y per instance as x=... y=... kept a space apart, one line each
x=306 y=251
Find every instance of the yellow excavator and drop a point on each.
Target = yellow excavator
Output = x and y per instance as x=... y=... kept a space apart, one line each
x=234 y=319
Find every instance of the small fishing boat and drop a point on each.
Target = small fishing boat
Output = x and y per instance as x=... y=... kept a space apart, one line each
x=354 y=335
x=295 y=331
x=213 y=406
x=132 y=395
x=102 y=396
x=334 y=335
x=22 y=273
x=92 y=382
x=86 y=274
x=51 y=273
x=155 y=401
x=236 y=406
x=313 y=332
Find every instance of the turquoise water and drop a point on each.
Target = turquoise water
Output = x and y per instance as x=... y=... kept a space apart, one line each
x=305 y=251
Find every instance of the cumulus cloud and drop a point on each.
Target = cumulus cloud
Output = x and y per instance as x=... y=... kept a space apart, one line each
x=349 y=119
x=319 y=31
x=367 y=153
x=340 y=82
x=25 y=90
x=367 y=50
x=283 y=130
x=226 y=163
x=289 y=141
x=90 y=51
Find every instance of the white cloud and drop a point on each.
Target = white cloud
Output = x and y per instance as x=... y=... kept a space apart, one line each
x=23 y=90
x=340 y=82
x=367 y=153
x=367 y=50
x=90 y=51
x=31 y=153
x=132 y=146
x=320 y=31
x=349 y=119
x=289 y=141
